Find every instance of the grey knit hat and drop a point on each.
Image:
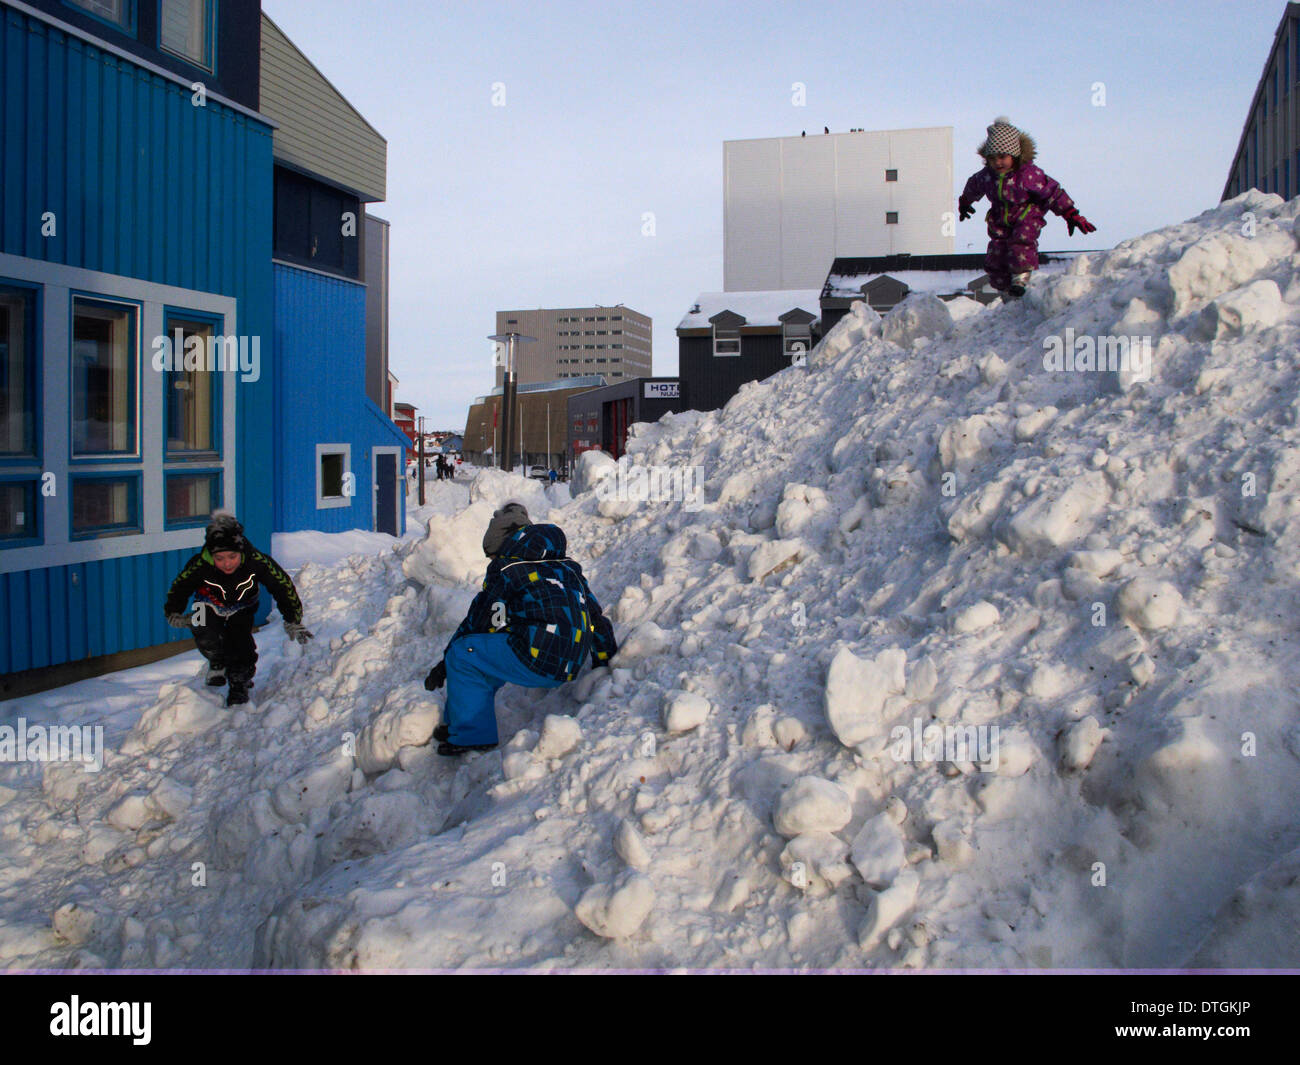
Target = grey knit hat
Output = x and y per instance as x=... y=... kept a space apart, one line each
x=506 y=520
x=1003 y=139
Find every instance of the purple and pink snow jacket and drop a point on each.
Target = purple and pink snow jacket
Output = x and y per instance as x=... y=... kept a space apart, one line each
x=1021 y=197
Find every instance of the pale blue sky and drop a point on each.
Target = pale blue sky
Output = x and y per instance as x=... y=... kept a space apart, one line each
x=615 y=110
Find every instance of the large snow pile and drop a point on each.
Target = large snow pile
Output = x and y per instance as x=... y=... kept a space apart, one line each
x=1088 y=578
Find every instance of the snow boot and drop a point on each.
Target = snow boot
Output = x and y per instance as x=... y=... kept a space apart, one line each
x=1018 y=284
x=442 y=733
x=215 y=677
x=237 y=694
x=450 y=749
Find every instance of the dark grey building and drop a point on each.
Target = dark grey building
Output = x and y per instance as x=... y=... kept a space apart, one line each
x=885 y=280
x=1268 y=154
x=599 y=419
x=730 y=338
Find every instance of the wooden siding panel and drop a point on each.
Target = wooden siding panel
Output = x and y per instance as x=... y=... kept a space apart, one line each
x=318 y=129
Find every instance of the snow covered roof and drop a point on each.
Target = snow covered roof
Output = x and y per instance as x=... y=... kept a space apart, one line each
x=757 y=308
x=845 y=281
x=849 y=286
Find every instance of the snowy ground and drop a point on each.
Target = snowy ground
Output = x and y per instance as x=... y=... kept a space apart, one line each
x=924 y=526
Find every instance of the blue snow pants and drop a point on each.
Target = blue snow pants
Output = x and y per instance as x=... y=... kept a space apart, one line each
x=477 y=666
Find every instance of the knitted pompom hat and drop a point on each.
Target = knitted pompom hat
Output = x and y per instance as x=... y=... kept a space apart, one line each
x=224 y=533
x=1003 y=139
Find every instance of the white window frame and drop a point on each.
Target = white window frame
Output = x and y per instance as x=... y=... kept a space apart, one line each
x=725 y=336
x=58 y=283
x=324 y=502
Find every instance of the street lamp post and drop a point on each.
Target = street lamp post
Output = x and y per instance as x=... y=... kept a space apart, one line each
x=508 y=394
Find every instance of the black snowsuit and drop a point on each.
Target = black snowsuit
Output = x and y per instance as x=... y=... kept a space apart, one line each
x=226 y=605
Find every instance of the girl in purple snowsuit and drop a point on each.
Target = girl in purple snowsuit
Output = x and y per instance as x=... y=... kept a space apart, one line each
x=1021 y=194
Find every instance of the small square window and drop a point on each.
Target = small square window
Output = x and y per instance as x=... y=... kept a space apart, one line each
x=186 y=30
x=891 y=218
x=891 y=175
x=18 y=511
x=105 y=506
x=191 y=497
x=334 y=479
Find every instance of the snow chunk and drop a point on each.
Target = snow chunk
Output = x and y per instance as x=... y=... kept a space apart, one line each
x=800 y=504
x=963 y=443
x=1149 y=604
x=395 y=727
x=774 y=556
x=1052 y=520
x=560 y=734
x=885 y=909
x=976 y=618
x=130 y=812
x=1014 y=752
x=591 y=468
x=856 y=690
x=878 y=852
x=316 y=786
x=1255 y=306
x=812 y=804
x=1223 y=261
x=921 y=314
x=630 y=845
x=1078 y=743
x=812 y=859
x=646 y=640
x=1099 y=563
x=616 y=911
x=684 y=711
x=180 y=711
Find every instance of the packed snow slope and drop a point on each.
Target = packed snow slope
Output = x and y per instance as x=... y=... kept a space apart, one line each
x=922 y=526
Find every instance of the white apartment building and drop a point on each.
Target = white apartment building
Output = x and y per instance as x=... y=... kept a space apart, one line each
x=792 y=205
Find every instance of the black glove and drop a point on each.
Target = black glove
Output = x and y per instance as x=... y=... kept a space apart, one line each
x=965 y=210
x=437 y=677
x=1074 y=220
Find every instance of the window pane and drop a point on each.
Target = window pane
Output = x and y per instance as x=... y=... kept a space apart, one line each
x=103 y=505
x=191 y=496
x=185 y=29
x=191 y=394
x=17 y=363
x=331 y=475
x=17 y=510
x=113 y=10
x=103 y=379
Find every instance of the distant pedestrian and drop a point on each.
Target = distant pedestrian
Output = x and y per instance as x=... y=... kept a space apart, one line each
x=1021 y=194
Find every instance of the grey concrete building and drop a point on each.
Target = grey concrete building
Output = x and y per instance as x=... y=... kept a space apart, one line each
x=1268 y=154
x=577 y=342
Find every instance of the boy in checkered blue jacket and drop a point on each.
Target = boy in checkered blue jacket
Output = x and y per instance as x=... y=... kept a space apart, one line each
x=534 y=623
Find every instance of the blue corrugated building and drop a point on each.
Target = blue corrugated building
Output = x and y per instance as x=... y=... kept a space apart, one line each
x=183 y=290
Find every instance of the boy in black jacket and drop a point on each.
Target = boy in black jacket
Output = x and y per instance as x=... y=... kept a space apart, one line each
x=534 y=623
x=223 y=580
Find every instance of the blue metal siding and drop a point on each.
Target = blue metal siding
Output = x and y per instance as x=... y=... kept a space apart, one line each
x=320 y=365
x=47 y=620
x=143 y=184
